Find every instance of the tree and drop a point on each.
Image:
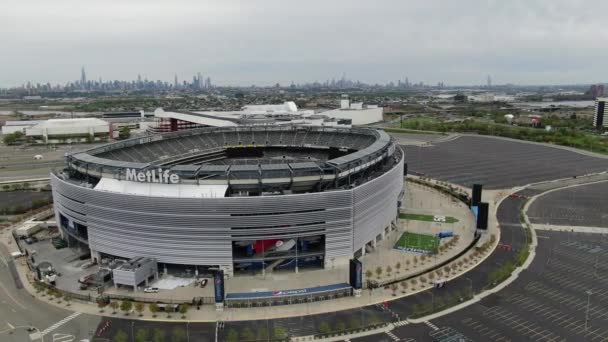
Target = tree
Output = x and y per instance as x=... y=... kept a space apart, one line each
x=139 y=307
x=178 y=335
x=126 y=306
x=183 y=309
x=67 y=299
x=159 y=335
x=141 y=335
x=13 y=138
x=398 y=267
x=153 y=307
x=389 y=269
x=340 y=326
x=121 y=336
x=58 y=296
x=324 y=328
x=407 y=264
x=124 y=132
x=279 y=332
x=263 y=334
x=415 y=261
x=101 y=304
x=368 y=274
x=354 y=324
x=247 y=334
x=394 y=288
x=232 y=336
x=114 y=306
x=378 y=271
x=404 y=286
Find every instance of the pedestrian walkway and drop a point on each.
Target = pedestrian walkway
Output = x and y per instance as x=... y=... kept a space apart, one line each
x=431 y=325
x=60 y=323
x=401 y=323
x=393 y=336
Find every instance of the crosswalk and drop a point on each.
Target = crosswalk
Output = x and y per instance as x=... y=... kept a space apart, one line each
x=401 y=323
x=60 y=323
x=393 y=336
x=431 y=325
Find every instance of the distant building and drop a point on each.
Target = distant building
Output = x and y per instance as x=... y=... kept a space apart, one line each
x=595 y=90
x=69 y=131
x=18 y=126
x=599 y=119
x=286 y=113
x=357 y=112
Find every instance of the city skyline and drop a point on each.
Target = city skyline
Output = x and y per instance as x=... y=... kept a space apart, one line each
x=198 y=81
x=533 y=42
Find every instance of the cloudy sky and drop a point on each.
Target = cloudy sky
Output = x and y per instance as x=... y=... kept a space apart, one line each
x=268 y=41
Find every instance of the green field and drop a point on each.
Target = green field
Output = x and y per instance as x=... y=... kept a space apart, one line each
x=417 y=243
x=428 y=218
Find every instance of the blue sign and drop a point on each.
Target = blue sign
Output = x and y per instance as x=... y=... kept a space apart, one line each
x=286 y=293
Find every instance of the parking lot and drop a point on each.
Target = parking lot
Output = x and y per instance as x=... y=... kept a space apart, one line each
x=497 y=163
x=575 y=206
x=17 y=162
x=550 y=301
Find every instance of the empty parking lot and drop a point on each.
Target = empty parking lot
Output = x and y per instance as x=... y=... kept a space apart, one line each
x=575 y=206
x=551 y=300
x=498 y=163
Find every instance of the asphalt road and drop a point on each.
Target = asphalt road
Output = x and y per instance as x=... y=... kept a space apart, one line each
x=20 y=310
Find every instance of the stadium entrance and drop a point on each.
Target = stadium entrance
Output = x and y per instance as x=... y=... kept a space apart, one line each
x=275 y=255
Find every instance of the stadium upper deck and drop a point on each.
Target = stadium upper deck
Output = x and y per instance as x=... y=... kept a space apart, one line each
x=248 y=158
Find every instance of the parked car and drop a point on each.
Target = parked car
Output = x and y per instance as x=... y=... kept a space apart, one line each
x=151 y=290
x=204 y=282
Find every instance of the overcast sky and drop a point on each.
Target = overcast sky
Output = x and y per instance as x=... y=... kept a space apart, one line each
x=263 y=42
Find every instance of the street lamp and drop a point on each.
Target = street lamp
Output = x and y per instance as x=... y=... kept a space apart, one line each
x=471 y=284
x=589 y=293
x=188 y=331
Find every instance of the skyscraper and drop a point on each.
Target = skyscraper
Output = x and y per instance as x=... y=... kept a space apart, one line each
x=83 y=78
x=489 y=81
x=599 y=119
x=175 y=83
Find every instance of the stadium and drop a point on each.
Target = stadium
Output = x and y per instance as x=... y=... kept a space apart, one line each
x=235 y=199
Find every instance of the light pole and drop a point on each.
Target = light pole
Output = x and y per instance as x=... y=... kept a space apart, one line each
x=589 y=293
x=188 y=331
x=470 y=283
x=132 y=335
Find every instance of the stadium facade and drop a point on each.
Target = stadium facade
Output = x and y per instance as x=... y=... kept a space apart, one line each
x=233 y=198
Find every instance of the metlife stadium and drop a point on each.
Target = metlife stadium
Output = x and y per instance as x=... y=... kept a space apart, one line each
x=238 y=198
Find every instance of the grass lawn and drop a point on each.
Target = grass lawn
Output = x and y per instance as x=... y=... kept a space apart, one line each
x=429 y=218
x=417 y=243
